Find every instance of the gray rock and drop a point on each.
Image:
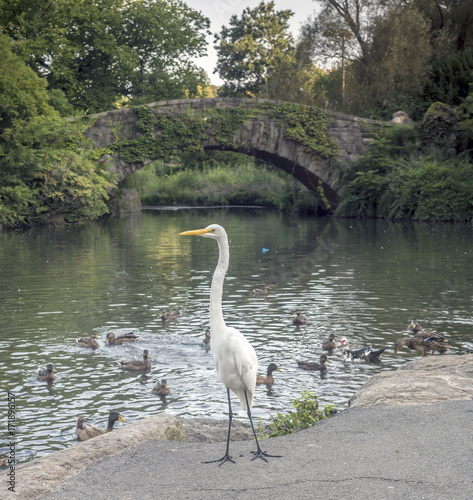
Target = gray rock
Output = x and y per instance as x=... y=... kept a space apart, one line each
x=423 y=381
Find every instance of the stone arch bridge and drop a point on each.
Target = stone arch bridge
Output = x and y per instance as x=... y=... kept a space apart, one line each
x=311 y=144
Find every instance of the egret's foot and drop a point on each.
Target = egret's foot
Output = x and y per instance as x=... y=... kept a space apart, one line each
x=225 y=458
x=261 y=454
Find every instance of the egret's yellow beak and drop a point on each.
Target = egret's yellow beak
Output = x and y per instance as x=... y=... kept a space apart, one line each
x=121 y=418
x=196 y=232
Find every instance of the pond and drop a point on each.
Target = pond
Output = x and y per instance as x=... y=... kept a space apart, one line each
x=361 y=279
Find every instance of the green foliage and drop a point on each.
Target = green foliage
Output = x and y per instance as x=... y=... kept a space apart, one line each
x=48 y=171
x=438 y=129
x=308 y=126
x=228 y=179
x=97 y=52
x=391 y=183
x=306 y=414
x=250 y=50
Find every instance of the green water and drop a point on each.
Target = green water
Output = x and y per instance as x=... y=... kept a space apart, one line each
x=364 y=280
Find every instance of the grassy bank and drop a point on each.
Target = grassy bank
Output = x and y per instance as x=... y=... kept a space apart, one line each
x=242 y=183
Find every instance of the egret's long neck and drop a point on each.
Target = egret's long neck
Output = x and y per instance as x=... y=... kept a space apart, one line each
x=216 y=292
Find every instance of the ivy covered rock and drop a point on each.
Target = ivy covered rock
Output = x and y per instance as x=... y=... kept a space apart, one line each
x=439 y=128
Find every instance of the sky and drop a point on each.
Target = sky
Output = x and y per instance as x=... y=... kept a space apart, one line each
x=220 y=11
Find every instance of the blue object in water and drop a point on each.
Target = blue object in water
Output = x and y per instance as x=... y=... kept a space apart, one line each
x=265 y=250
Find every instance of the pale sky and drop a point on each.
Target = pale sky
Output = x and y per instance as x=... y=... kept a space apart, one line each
x=220 y=11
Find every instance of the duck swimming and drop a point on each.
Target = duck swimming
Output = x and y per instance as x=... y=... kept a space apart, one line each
x=161 y=388
x=329 y=344
x=414 y=326
x=85 y=431
x=269 y=379
x=89 y=342
x=127 y=337
x=170 y=315
x=262 y=291
x=308 y=365
x=364 y=354
x=46 y=373
x=135 y=365
x=300 y=319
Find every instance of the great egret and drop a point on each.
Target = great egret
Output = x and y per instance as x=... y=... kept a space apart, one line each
x=329 y=344
x=269 y=379
x=46 y=373
x=235 y=359
x=85 y=430
x=135 y=365
x=88 y=341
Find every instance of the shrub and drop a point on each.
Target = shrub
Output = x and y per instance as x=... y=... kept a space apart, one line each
x=306 y=414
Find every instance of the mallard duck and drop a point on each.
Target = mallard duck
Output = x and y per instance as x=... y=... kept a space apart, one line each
x=169 y=315
x=269 y=379
x=207 y=337
x=135 y=365
x=88 y=342
x=300 y=319
x=161 y=388
x=3 y=458
x=127 y=337
x=423 y=341
x=85 y=431
x=329 y=344
x=46 y=373
x=262 y=291
x=364 y=354
x=308 y=365
x=414 y=326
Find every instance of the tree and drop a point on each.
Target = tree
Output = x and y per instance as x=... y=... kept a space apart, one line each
x=251 y=48
x=98 y=51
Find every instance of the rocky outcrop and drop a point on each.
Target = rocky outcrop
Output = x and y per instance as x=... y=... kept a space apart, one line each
x=423 y=381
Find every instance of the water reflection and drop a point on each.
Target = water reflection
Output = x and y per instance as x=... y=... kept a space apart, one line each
x=364 y=280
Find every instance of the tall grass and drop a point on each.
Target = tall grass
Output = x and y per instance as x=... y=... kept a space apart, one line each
x=246 y=183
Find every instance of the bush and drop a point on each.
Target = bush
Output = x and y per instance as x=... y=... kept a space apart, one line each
x=306 y=414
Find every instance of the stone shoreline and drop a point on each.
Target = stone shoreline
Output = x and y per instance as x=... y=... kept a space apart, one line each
x=423 y=381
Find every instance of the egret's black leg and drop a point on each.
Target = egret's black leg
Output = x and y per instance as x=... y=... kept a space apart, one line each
x=259 y=452
x=227 y=456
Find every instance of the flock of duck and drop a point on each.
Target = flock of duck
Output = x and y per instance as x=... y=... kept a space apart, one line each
x=420 y=340
x=84 y=429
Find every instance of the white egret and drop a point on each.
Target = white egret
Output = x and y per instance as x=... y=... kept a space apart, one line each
x=235 y=359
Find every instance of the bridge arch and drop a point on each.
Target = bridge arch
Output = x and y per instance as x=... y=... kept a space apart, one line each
x=310 y=144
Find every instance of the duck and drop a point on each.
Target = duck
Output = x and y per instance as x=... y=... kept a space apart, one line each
x=88 y=342
x=170 y=315
x=46 y=373
x=329 y=344
x=127 y=337
x=414 y=326
x=161 y=388
x=3 y=458
x=300 y=319
x=307 y=365
x=85 y=430
x=262 y=291
x=269 y=379
x=135 y=365
x=423 y=341
x=364 y=354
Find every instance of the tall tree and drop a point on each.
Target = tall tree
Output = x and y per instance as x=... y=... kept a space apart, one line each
x=251 y=48
x=98 y=51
